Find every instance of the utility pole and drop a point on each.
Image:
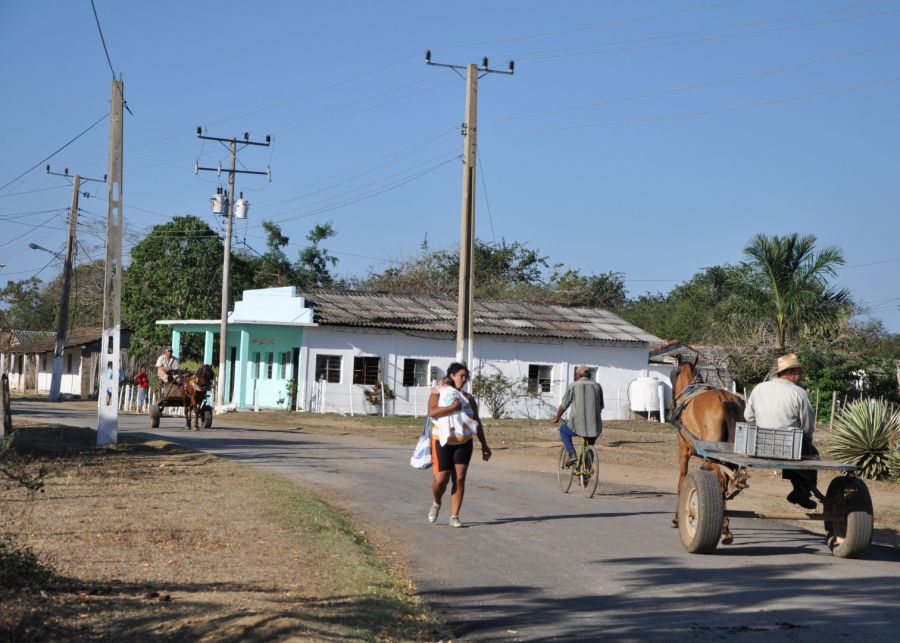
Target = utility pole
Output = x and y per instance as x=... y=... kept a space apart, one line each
x=108 y=425
x=465 y=330
x=228 y=213
x=60 y=347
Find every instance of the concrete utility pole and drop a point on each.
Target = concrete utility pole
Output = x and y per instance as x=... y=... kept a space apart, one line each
x=465 y=329
x=60 y=347
x=226 y=268
x=108 y=426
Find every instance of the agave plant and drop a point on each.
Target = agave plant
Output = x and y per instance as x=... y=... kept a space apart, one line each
x=894 y=463
x=866 y=433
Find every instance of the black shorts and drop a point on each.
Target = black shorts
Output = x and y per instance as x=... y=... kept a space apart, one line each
x=444 y=457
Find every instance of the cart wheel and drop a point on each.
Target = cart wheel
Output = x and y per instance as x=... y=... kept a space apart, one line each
x=564 y=475
x=207 y=417
x=155 y=414
x=700 y=512
x=591 y=476
x=850 y=533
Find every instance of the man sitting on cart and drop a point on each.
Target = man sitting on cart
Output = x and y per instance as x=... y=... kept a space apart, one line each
x=781 y=403
x=167 y=366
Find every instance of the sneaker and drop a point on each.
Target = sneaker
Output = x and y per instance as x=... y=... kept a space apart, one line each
x=433 y=512
x=799 y=498
x=455 y=521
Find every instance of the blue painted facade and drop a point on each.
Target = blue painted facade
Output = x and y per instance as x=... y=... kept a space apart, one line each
x=265 y=338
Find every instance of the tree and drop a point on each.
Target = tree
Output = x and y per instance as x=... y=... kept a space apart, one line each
x=571 y=288
x=785 y=282
x=175 y=273
x=27 y=308
x=698 y=310
x=314 y=264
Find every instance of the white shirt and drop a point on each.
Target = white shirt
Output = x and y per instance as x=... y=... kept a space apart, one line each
x=780 y=403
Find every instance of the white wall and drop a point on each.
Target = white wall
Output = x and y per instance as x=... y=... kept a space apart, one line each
x=616 y=367
x=70 y=383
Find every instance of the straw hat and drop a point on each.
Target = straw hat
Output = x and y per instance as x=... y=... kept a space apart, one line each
x=787 y=362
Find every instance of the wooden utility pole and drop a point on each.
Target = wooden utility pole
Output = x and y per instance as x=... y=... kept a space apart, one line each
x=226 y=266
x=110 y=351
x=465 y=328
x=60 y=346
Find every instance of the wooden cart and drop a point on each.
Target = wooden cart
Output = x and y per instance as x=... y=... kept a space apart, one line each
x=847 y=506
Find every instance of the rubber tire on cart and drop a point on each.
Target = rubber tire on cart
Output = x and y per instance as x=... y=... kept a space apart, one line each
x=564 y=476
x=851 y=534
x=700 y=512
x=590 y=480
x=155 y=413
x=207 y=417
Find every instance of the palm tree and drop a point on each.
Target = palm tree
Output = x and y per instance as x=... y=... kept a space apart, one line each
x=785 y=282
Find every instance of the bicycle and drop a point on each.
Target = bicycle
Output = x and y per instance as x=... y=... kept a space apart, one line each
x=586 y=468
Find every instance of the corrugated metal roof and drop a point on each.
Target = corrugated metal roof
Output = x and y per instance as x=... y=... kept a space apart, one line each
x=492 y=317
x=76 y=337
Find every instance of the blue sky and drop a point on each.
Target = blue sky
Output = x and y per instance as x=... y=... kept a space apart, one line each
x=652 y=138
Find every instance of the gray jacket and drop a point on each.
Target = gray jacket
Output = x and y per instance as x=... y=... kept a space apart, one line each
x=584 y=399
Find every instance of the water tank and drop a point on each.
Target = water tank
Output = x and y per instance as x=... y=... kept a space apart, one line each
x=643 y=394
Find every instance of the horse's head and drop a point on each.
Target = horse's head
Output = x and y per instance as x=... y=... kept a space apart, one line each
x=203 y=378
x=687 y=373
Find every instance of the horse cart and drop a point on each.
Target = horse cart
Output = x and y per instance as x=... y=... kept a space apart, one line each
x=847 y=505
x=182 y=393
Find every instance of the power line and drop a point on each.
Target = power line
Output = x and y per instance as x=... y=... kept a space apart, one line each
x=45 y=159
x=103 y=41
x=729 y=108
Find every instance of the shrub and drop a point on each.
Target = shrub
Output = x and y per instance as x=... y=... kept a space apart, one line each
x=497 y=392
x=894 y=463
x=21 y=569
x=866 y=433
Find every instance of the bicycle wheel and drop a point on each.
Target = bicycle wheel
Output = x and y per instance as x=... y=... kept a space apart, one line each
x=590 y=472
x=564 y=474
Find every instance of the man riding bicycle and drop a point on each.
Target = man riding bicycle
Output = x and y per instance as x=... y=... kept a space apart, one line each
x=585 y=396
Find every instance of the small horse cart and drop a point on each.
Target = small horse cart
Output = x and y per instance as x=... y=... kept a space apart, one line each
x=181 y=393
x=847 y=505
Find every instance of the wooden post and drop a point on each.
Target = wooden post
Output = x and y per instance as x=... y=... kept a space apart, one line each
x=833 y=402
x=817 y=406
x=6 y=427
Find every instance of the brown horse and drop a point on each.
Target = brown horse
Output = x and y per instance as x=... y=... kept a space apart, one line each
x=708 y=415
x=195 y=388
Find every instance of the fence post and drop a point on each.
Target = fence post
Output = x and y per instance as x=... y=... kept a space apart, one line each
x=6 y=427
x=833 y=402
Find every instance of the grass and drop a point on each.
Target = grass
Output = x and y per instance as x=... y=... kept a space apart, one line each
x=152 y=541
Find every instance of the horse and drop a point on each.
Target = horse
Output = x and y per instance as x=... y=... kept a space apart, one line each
x=708 y=415
x=195 y=388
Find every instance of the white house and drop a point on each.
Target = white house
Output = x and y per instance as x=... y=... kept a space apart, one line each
x=30 y=363
x=337 y=345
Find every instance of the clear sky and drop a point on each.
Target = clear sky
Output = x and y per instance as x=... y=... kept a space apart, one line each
x=653 y=138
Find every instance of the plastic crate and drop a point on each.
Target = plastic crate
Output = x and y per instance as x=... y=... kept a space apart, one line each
x=778 y=444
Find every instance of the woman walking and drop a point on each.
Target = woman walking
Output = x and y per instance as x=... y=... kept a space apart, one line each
x=451 y=442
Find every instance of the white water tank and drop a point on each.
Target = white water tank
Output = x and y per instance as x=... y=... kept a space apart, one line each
x=643 y=394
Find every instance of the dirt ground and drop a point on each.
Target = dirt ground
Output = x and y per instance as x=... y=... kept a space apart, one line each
x=151 y=541
x=637 y=452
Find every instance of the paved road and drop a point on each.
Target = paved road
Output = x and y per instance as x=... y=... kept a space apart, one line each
x=534 y=564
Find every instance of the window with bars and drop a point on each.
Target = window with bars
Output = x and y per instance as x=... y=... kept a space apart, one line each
x=69 y=364
x=365 y=370
x=256 y=367
x=540 y=378
x=270 y=365
x=328 y=368
x=415 y=372
x=284 y=364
